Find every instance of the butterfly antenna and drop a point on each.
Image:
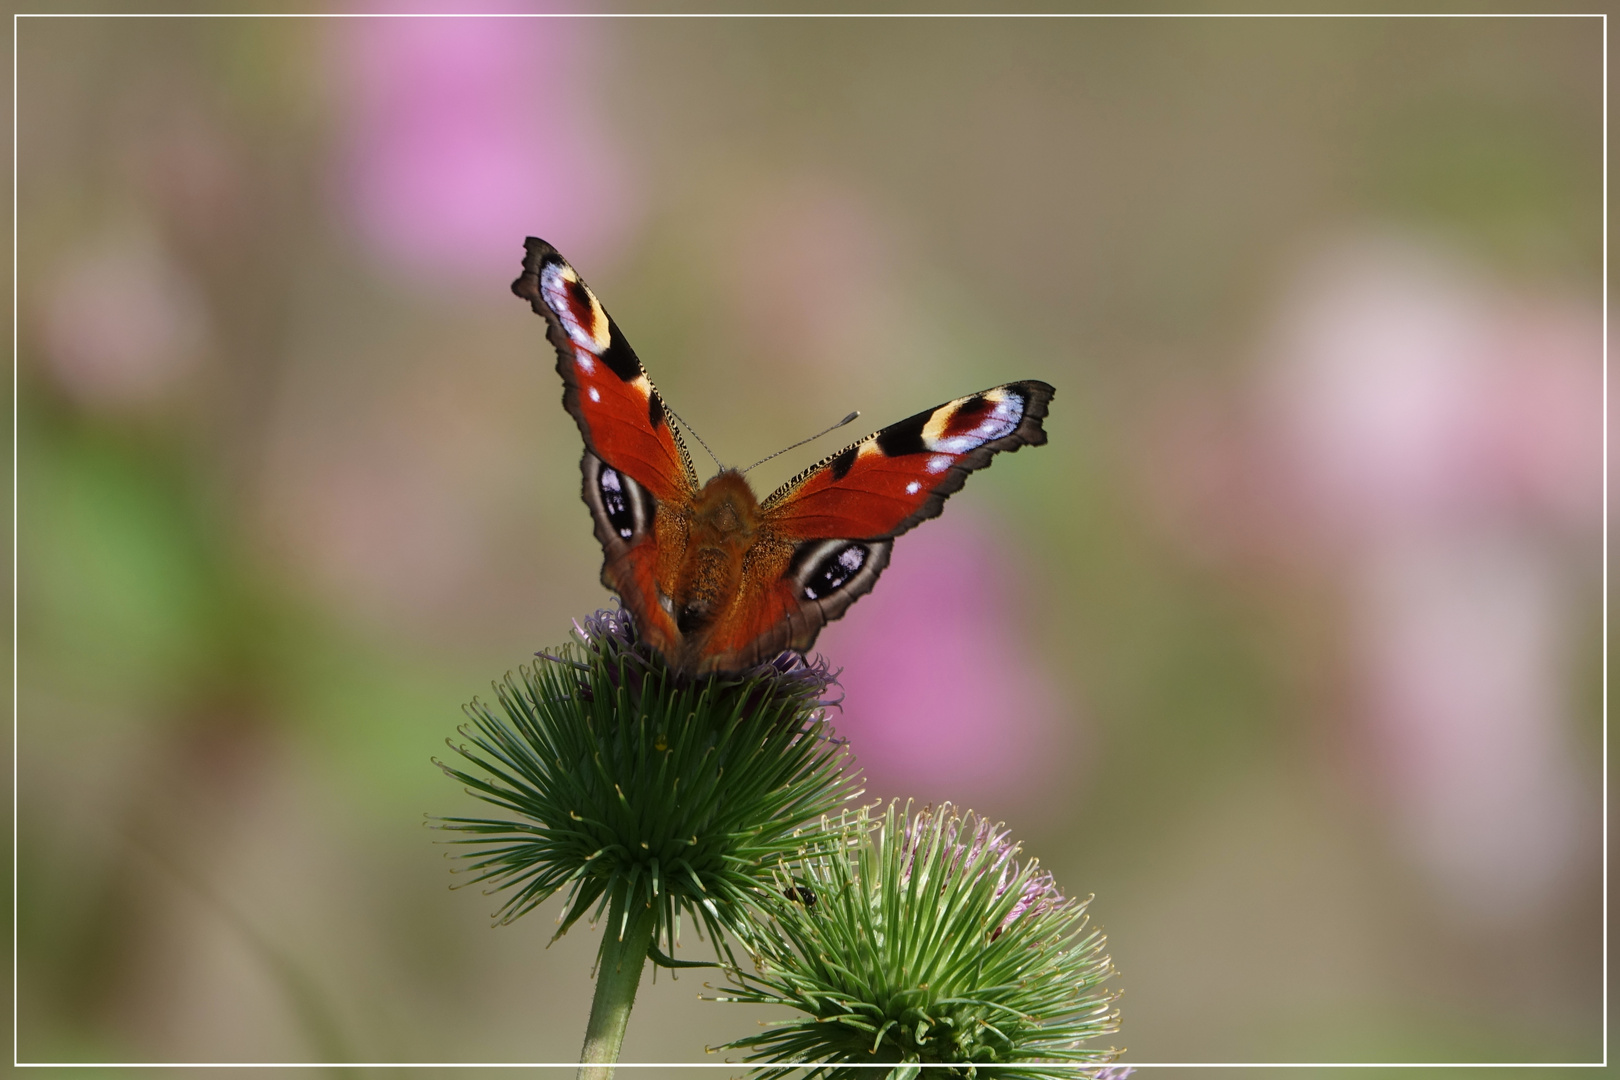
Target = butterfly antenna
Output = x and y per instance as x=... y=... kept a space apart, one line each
x=679 y=420
x=846 y=420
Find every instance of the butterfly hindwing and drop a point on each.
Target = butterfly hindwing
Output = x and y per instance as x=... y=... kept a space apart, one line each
x=788 y=592
x=606 y=389
x=641 y=547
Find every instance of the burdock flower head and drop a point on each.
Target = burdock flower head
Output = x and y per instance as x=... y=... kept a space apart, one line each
x=645 y=795
x=927 y=942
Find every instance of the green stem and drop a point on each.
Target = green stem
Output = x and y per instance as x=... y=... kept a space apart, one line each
x=618 y=974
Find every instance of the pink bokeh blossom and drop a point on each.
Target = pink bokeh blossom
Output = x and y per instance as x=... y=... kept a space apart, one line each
x=945 y=694
x=1429 y=441
x=462 y=135
x=1438 y=439
x=1407 y=393
x=124 y=327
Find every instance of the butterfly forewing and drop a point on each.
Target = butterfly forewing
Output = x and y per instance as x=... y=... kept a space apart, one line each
x=891 y=480
x=606 y=389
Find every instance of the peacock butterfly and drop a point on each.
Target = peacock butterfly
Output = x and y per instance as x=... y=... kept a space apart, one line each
x=716 y=579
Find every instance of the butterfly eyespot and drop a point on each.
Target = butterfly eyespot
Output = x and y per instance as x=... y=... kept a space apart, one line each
x=1002 y=421
x=831 y=568
x=620 y=496
x=582 y=317
x=968 y=423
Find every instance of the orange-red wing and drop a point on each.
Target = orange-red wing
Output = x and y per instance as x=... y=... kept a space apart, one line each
x=605 y=387
x=888 y=482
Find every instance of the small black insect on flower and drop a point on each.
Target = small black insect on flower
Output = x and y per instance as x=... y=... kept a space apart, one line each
x=801 y=894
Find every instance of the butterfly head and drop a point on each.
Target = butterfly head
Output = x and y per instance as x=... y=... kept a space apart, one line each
x=726 y=508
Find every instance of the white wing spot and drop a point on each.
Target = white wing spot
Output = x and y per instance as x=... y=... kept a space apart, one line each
x=596 y=395
x=586 y=364
x=939 y=463
x=913 y=487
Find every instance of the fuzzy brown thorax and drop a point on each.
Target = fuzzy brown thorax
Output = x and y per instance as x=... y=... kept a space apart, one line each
x=723 y=520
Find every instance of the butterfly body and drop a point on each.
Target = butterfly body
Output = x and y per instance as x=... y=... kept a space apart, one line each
x=717 y=579
x=724 y=523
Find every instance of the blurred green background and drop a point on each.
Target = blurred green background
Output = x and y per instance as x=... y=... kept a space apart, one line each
x=1286 y=646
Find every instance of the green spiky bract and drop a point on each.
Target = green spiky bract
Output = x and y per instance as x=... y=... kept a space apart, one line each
x=927 y=942
x=645 y=794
